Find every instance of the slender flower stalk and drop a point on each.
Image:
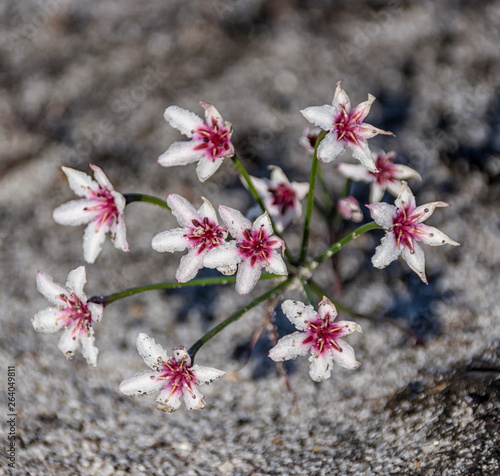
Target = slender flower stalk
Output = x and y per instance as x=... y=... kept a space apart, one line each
x=105 y=300
x=142 y=197
x=310 y=199
x=280 y=288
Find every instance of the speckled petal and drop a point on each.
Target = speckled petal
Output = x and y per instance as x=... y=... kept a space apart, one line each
x=321 y=116
x=298 y=313
x=93 y=239
x=170 y=241
x=415 y=260
x=80 y=182
x=235 y=221
x=183 y=120
x=386 y=252
x=47 y=320
x=321 y=366
x=150 y=351
x=181 y=153
x=141 y=384
x=75 y=212
x=330 y=148
x=383 y=214
x=289 y=347
x=207 y=167
x=189 y=266
x=346 y=358
x=76 y=281
x=50 y=290
x=89 y=350
x=206 y=375
x=247 y=277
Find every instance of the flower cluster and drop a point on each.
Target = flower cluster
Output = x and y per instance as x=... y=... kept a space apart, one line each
x=240 y=248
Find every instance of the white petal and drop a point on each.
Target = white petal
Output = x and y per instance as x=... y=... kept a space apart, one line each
x=119 y=234
x=405 y=196
x=289 y=347
x=261 y=185
x=194 y=400
x=68 y=343
x=96 y=310
x=207 y=210
x=321 y=366
x=181 y=153
x=167 y=402
x=434 y=237
x=341 y=98
x=247 y=277
x=363 y=154
x=263 y=222
x=327 y=308
x=425 y=211
x=141 y=384
x=358 y=173
x=224 y=255
x=383 y=213
x=386 y=252
x=377 y=191
x=330 y=148
x=298 y=313
x=278 y=176
x=346 y=358
x=349 y=327
x=235 y=221
x=212 y=114
x=80 y=182
x=76 y=281
x=301 y=189
x=89 y=350
x=189 y=266
x=207 y=167
x=405 y=172
x=93 y=240
x=183 y=120
x=206 y=375
x=363 y=109
x=170 y=240
x=50 y=290
x=276 y=264
x=149 y=350
x=182 y=209
x=415 y=260
x=47 y=320
x=101 y=178
x=76 y=212
x=321 y=116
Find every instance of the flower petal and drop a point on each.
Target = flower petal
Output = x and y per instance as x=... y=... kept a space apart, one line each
x=212 y=115
x=263 y=222
x=383 y=214
x=222 y=256
x=276 y=264
x=80 y=182
x=361 y=152
x=183 y=120
x=405 y=172
x=101 y=178
x=434 y=237
x=327 y=309
x=150 y=351
x=406 y=197
x=194 y=399
x=182 y=209
x=207 y=167
x=68 y=343
x=358 y=173
x=119 y=234
x=96 y=310
x=341 y=98
x=89 y=350
x=181 y=153
x=170 y=240
x=363 y=109
x=189 y=266
x=207 y=210
x=289 y=347
x=330 y=148
x=169 y=402
x=415 y=260
x=235 y=221
x=298 y=313
x=423 y=212
x=206 y=375
x=346 y=358
x=247 y=276
x=321 y=366
x=301 y=189
x=93 y=239
x=141 y=384
x=47 y=320
x=75 y=212
x=321 y=116
x=377 y=191
x=76 y=281
x=386 y=252
x=50 y=290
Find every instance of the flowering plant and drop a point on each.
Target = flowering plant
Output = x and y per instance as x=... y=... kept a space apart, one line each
x=242 y=247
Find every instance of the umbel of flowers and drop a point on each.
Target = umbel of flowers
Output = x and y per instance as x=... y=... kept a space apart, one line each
x=245 y=248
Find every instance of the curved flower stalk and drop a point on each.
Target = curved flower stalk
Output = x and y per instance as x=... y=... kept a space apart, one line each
x=72 y=313
x=404 y=227
x=345 y=128
x=210 y=141
x=254 y=247
x=319 y=335
x=200 y=232
x=388 y=177
x=102 y=208
x=175 y=378
x=281 y=197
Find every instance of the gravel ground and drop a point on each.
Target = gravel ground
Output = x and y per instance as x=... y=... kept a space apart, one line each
x=87 y=82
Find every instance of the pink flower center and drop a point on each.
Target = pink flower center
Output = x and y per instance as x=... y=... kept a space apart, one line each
x=107 y=211
x=215 y=140
x=386 y=170
x=346 y=126
x=405 y=227
x=322 y=335
x=283 y=197
x=76 y=315
x=177 y=375
x=257 y=246
x=206 y=235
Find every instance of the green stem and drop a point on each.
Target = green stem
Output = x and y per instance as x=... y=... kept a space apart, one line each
x=336 y=247
x=326 y=194
x=234 y=317
x=309 y=293
x=141 y=197
x=310 y=199
x=169 y=285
